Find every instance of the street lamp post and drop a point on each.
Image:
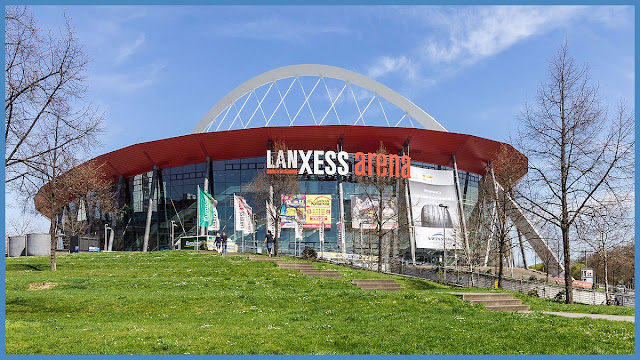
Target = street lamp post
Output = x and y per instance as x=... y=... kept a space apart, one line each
x=106 y=227
x=173 y=224
x=444 y=240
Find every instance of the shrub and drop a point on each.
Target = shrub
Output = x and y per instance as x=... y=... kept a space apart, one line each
x=309 y=253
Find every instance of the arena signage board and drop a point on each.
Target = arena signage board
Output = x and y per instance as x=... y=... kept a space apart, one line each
x=429 y=190
x=317 y=162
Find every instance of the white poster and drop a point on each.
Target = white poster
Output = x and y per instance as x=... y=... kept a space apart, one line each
x=364 y=211
x=434 y=207
x=215 y=225
x=243 y=215
x=271 y=217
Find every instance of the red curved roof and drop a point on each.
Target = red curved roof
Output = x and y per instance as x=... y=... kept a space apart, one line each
x=435 y=147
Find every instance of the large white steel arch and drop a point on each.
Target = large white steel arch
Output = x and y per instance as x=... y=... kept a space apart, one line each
x=322 y=71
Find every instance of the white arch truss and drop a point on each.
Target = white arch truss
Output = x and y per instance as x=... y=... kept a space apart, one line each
x=245 y=106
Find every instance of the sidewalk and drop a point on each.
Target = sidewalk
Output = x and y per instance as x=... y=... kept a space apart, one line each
x=593 y=316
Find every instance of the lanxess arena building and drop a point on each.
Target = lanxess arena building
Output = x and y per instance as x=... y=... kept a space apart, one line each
x=309 y=107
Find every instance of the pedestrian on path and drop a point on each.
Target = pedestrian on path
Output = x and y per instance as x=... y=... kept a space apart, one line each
x=268 y=240
x=218 y=242
x=224 y=242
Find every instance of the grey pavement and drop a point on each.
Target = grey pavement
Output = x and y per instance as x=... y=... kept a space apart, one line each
x=593 y=316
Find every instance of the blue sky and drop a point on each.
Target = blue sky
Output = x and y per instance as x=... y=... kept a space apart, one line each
x=157 y=70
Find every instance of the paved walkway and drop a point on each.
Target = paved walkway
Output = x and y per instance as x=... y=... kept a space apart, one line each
x=593 y=316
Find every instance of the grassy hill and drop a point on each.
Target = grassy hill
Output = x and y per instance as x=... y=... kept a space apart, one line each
x=197 y=303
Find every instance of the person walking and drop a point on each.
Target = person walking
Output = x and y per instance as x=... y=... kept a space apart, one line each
x=224 y=242
x=218 y=242
x=268 y=239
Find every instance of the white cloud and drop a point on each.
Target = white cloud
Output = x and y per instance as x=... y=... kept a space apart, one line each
x=274 y=28
x=130 y=81
x=477 y=33
x=129 y=49
x=458 y=37
x=386 y=65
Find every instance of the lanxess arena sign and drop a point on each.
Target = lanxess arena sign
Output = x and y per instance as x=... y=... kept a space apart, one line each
x=317 y=162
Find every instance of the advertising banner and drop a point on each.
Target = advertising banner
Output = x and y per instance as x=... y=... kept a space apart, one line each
x=578 y=283
x=318 y=212
x=243 y=215
x=207 y=211
x=364 y=210
x=434 y=207
x=310 y=210
x=271 y=217
x=293 y=207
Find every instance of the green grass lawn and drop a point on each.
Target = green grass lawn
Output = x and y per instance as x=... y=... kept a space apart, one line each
x=196 y=303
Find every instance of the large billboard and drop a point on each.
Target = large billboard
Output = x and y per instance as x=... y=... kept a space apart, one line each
x=434 y=208
x=310 y=210
x=364 y=211
x=293 y=207
x=318 y=212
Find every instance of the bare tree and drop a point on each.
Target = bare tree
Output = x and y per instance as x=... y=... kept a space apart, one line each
x=491 y=219
x=49 y=125
x=268 y=187
x=21 y=225
x=82 y=181
x=577 y=154
x=382 y=212
x=605 y=229
x=44 y=88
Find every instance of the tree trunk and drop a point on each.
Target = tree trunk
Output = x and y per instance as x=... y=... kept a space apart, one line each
x=524 y=259
x=380 y=235
x=568 y=280
x=606 y=274
x=52 y=234
x=501 y=242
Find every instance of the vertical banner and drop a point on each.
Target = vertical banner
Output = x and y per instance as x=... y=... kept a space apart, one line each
x=208 y=215
x=243 y=215
x=340 y=236
x=216 y=220
x=298 y=231
x=429 y=190
x=271 y=217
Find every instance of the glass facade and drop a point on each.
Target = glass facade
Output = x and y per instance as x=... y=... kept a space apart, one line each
x=174 y=199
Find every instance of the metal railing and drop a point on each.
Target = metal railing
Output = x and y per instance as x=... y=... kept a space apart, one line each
x=536 y=288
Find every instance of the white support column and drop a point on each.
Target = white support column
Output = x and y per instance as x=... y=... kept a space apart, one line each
x=113 y=219
x=205 y=188
x=461 y=212
x=147 y=227
x=412 y=235
x=342 y=227
x=341 y=207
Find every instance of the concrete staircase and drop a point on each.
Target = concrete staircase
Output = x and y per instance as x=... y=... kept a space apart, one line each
x=377 y=284
x=296 y=266
x=323 y=273
x=494 y=301
x=309 y=270
x=265 y=258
